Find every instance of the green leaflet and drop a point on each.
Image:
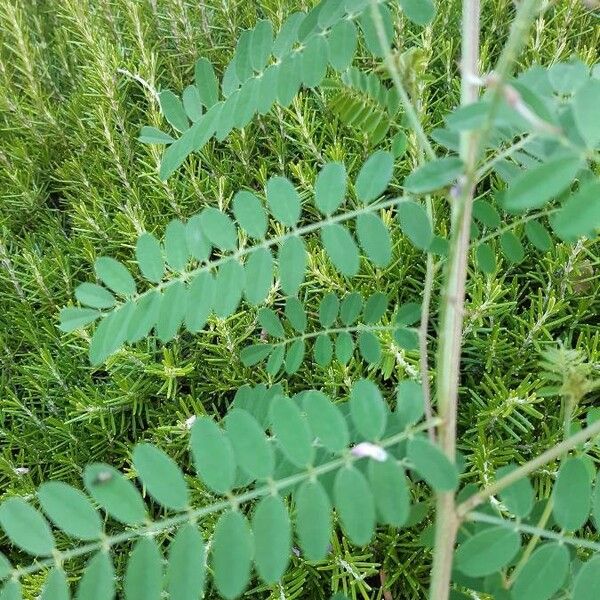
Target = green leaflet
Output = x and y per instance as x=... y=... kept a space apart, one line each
x=172 y=311
x=252 y=451
x=341 y=248
x=587 y=580
x=434 y=175
x=355 y=505
x=232 y=551
x=230 y=282
x=390 y=490
x=219 y=229
x=374 y=176
x=485 y=213
x=115 y=494
x=292 y=264
x=250 y=214
x=275 y=361
x=330 y=187
x=70 y=510
x=487 y=551
x=289 y=79
x=98 y=580
x=206 y=82
x=294 y=356
x=11 y=591
x=94 y=295
x=543 y=574
x=486 y=258
x=585 y=112
x=375 y=308
x=149 y=257
x=314 y=61
x=517 y=497
x=344 y=347
x=144 y=573
x=271 y=323
x=272 y=538
x=538 y=235
x=572 y=495
x=144 y=316
x=152 y=135
x=369 y=346
x=567 y=77
x=580 y=214
x=175 y=245
x=261 y=44
x=374 y=239
x=213 y=455
x=267 y=90
x=409 y=403
x=326 y=421
x=512 y=247
x=408 y=314
x=74 y=318
x=432 y=464
x=26 y=527
x=368 y=409
x=115 y=276
x=200 y=301
x=288 y=34
x=192 y=103
x=368 y=24
x=415 y=223
x=313 y=520
x=241 y=59
x=342 y=43
x=5 y=567
x=295 y=313
x=350 y=308
x=596 y=503
x=328 y=309
x=283 y=201
x=252 y=355
x=197 y=242
x=420 y=12
x=537 y=185
x=407 y=338
x=186 y=570
x=259 y=275
x=56 y=586
x=323 y=350
x=161 y=476
x=173 y=111
x=292 y=431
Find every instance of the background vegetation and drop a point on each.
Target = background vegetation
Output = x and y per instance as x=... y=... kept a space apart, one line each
x=77 y=81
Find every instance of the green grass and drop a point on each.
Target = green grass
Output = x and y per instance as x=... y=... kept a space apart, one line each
x=77 y=81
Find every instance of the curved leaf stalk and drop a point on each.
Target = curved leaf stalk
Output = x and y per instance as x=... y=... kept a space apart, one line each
x=193 y=515
x=353 y=329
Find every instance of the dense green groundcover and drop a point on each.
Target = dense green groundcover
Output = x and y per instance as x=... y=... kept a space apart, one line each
x=77 y=81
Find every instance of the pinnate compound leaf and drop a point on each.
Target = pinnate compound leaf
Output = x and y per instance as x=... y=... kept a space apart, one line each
x=161 y=476
x=292 y=264
x=292 y=431
x=330 y=187
x=572 y=495
x=252 y=451
x=250 y=214
x=587 y=580
x=96 y=296
x=213 y=455
x=415 y=224
x=272 y=538
x=186 y=570
x=368 y=409
x=355 y=505
x=434 y=175
x=232 y=552
x=114 y=493
x=326 y=421
x=70 y=510
x=433 y=465
x=149 y=257
x=313 y=520
x=374 y=176
x=517 y=497
x=98 y=580
x=539 y=184
x=72 y=318
x=487 y=551
x=580 y=215
x=341 y=248
x=56 y=586
x=374 y=239
x=543 y=574
x=144 y=573
x=26 y=527
x=115 y=276
x=283 y=201
x=390 y=490
x=420 y=12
